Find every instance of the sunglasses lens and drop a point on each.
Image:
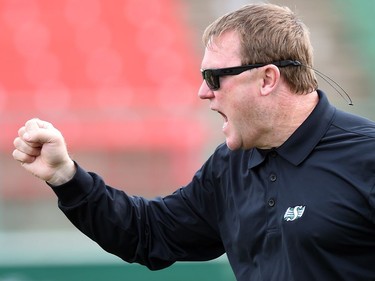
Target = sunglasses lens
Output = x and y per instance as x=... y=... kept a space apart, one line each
x=211 y=80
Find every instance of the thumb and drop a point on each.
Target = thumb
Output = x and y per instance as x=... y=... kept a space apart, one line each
x=38 y=131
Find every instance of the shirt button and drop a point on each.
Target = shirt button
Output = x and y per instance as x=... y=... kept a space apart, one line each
x=273 y=177
x=271 y=202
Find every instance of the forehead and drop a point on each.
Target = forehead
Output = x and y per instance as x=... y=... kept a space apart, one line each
x=222 y=51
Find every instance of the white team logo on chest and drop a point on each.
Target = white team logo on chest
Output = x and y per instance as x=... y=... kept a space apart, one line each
x=293 y=213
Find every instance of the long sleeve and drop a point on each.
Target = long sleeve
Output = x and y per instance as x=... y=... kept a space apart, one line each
x=155 y=233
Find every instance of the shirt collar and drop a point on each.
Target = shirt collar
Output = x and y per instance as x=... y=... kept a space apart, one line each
x=300 y=144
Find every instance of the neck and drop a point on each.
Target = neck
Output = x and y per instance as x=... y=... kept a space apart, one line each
x=291 y=111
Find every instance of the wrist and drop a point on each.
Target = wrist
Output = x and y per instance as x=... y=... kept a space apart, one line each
x=63 y=175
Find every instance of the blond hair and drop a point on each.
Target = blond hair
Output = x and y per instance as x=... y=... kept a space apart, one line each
x=270 y=33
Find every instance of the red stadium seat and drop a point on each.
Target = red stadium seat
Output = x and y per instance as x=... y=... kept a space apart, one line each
x=111 y=75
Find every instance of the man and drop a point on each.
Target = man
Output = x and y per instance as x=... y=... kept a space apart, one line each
x=290 y=196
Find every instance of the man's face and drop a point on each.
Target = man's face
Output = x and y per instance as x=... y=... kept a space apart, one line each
x=237 y=99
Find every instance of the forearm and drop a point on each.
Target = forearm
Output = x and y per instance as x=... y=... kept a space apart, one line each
x=154 y=233
x=108 y=216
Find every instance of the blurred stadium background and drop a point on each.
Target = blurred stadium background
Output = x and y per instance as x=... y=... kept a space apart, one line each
x=119 y=78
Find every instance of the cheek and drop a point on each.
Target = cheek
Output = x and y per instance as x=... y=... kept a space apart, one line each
x=248 y=117
x=243 y=108
x=241 y=101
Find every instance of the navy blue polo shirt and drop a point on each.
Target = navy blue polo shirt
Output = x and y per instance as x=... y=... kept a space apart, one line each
x=302 y=211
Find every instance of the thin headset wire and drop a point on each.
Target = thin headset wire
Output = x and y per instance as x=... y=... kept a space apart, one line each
x=334 y=84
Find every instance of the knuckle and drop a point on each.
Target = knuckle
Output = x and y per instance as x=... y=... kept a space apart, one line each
x=15 y=141
x=21 y=131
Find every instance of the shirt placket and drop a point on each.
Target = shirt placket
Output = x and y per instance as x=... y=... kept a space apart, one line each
x=272 y=183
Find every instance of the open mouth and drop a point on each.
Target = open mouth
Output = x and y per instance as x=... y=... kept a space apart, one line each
x=225 y=119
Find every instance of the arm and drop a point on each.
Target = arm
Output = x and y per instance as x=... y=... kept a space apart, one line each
x=155 y=233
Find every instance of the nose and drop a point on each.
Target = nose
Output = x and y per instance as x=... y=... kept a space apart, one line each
x=205 y=92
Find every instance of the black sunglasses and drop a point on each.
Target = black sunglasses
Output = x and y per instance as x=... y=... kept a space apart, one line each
x=212 y=75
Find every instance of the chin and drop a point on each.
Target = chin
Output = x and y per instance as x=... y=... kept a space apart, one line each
x=233 y=146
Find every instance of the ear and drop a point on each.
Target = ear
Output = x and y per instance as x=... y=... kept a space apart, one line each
x=270 y=79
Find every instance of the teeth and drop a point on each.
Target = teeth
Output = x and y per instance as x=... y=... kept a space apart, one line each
x=225 y=124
